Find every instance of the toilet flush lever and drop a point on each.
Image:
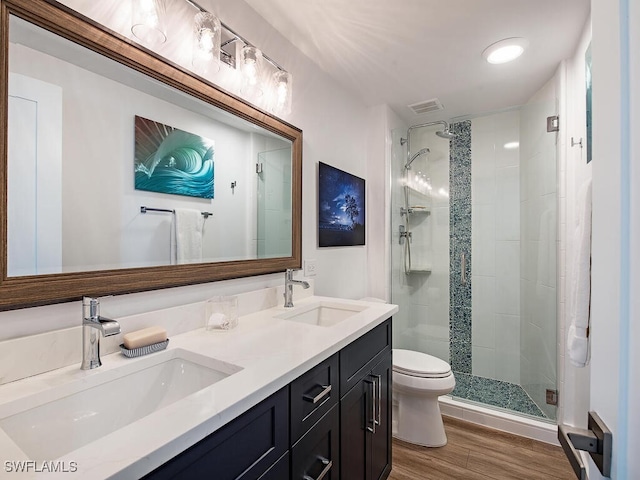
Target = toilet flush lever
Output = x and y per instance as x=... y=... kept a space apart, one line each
x=596 y=439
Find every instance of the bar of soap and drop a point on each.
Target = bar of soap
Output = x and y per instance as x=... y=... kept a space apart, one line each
x=144 y=337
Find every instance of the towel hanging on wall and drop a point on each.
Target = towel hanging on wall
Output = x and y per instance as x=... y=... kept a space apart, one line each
x=188 y=229
x=578 y=333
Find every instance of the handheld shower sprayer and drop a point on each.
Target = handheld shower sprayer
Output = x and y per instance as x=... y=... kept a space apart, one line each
x=424 y=151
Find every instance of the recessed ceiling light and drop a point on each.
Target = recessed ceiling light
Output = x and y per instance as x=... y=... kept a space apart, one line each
x=505 y=50
x=511 y=145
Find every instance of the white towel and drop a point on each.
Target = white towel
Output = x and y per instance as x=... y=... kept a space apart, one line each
x=188 y=228
x=578 y=333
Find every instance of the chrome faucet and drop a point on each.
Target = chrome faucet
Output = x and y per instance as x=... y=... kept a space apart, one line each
x=289 y=282
x=92 y=326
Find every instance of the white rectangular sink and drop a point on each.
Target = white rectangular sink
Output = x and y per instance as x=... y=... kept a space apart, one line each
x=60 y=426
x=323 y=313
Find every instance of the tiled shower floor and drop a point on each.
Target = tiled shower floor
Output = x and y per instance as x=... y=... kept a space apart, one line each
x=495 y=393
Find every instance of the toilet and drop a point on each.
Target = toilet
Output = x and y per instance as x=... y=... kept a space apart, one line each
x=418 y=380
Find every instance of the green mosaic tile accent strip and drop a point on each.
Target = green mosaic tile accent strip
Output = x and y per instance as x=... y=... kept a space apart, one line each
x=460 y=242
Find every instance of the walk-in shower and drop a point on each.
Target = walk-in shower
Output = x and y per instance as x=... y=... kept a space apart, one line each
x=474 y=254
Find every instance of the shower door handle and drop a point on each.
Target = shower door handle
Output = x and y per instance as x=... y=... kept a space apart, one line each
x=463 y=268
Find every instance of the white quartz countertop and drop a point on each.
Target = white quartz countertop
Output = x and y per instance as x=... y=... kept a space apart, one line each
x=271 y=352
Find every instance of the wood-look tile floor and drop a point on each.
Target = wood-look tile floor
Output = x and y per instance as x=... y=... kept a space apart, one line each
x=474 y=452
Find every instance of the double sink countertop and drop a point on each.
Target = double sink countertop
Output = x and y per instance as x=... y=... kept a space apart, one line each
x=261 y=355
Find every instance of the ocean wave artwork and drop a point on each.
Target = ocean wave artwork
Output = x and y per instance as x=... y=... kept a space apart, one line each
x=169 y=160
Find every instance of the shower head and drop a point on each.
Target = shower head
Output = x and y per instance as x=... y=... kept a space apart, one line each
x=445 y=133
x=424 y=151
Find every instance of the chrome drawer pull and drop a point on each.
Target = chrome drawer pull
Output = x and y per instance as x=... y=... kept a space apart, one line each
x=326 y=389
x=327 y=466
x=372 y=420
x=379 y=395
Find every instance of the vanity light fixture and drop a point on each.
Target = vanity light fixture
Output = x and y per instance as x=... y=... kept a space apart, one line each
x=207 y=34
x=263 y=81
x=282 y=87
x=251 y=67
x=511 y=145
x=505 y=50
x=148 y=21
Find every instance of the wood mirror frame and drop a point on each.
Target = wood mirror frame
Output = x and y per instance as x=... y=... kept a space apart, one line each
x=19 y=292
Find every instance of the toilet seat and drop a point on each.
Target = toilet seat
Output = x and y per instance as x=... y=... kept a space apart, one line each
x=418 y=364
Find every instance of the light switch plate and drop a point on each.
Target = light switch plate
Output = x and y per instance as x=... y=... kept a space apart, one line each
x=309 y=268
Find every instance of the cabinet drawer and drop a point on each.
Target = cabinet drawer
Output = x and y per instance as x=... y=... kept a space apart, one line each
x=317 y=453
x=243 y=449
x=355 y=357
x=278 y=471
x=312 y=395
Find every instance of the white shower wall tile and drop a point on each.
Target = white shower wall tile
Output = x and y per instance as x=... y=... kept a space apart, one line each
x=507 y=296
x=484 y=362
x=483 y=240
x=508 y=259
x=508 y=203
x=483 y=311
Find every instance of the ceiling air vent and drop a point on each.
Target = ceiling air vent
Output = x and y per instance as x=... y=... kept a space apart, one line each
x=427 y=106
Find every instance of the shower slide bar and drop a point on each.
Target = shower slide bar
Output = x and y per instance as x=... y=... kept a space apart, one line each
x=144 y=209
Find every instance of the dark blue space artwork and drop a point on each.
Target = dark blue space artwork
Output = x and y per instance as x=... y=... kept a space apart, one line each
x=341 y=208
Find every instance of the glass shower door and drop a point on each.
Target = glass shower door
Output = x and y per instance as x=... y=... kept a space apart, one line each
x=480 y=289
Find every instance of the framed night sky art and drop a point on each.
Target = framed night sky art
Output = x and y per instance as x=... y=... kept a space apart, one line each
x=341 y=208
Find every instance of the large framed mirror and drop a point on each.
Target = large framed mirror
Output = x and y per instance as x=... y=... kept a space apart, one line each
x=123 y=172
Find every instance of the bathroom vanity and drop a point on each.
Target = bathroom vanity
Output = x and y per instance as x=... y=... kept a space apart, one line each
x=300 y=392
x=333 y=418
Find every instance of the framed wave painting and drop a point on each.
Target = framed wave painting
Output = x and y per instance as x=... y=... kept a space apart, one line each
x=169 y=160
x=341 y=208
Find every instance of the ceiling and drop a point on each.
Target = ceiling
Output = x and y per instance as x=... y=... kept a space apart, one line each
x=401 y=52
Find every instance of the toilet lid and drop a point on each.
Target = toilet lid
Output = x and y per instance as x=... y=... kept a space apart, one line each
x=418 y=364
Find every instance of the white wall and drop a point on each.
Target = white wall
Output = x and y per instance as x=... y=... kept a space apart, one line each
x=573 y=382
x=615 y=383
x=382 y=121
x=334 y=125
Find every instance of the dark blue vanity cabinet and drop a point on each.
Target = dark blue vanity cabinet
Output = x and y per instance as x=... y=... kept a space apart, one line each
x=332 y=422
x=246 y=448
x=365 y=406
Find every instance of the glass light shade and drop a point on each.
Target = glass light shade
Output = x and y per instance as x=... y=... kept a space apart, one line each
x=207 y=32
x=148 y=21
x=505 y=50
x=282 y=92
x=251 y=67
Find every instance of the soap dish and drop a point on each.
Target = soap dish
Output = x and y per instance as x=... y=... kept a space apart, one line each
x=140 y=351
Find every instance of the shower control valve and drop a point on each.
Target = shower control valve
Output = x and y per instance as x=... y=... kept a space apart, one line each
x=404 y=234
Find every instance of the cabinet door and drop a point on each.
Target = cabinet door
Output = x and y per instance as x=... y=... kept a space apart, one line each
x=354 y=415
x=316 y=456
x=243 y=449
x=279 y=470
x=381 y=439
